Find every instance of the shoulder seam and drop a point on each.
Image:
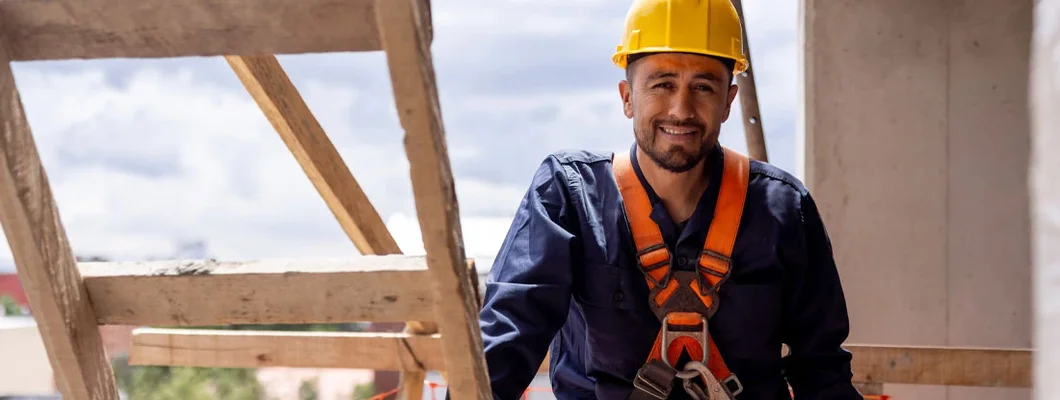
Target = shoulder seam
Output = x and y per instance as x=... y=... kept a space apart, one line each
x=780 y=178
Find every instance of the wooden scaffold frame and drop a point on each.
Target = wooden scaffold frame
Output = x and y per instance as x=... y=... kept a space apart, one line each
x=436 y=295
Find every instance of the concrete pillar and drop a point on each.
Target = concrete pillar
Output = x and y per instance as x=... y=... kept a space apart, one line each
x=916 y=139
x=1045 y=181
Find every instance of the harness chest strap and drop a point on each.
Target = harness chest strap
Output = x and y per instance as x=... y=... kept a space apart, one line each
x=686 y=300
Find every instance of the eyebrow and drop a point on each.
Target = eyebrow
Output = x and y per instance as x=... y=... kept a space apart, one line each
x=710 y=76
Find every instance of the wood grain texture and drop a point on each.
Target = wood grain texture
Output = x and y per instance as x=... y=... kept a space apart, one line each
x=873 y=365
x=259 y=349
x=279 y=291
x=948 y=366
x=748 y=93
x=89 y=29
x=43 y=258
x=402 y=26
x=266 y=81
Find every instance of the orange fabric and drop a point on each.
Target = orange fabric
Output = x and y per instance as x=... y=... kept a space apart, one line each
x=656 y=263
x=646 y=233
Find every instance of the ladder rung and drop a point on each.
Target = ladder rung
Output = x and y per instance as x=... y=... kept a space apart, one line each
x=273 y=291
x=387 y=351
x=90 y=29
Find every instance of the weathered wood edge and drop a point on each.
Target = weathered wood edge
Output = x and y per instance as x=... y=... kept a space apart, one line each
x=43 y=258
x=402 y=26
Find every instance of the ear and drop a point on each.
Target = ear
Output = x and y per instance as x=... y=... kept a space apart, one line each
x=733 y=89
x=625 y=91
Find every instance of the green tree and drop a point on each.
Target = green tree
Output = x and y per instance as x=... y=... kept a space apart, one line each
x=307 y=391
x=186 y=383
x=10 y=306
x=363 y=391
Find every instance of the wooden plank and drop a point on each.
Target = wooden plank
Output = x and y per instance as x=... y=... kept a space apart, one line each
x=950 y=366
x=402 y=26
x=257 y=349
x=869 y=388
x=88 y=29
x=278 y=98
x=873 y=365
x=277 y=291
x=748 y=92
x=43 y=258
x=288 y=113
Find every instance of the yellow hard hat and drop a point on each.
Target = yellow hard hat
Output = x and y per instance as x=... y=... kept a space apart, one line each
x=709 y=27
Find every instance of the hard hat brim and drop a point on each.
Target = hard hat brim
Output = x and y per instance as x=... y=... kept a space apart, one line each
x=620 y=57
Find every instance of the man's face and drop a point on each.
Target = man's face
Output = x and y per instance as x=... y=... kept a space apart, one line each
x=677 y=102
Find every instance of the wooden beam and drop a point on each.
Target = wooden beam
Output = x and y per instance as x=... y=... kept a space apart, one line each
x=748 y=92
x=869 y=388
x=950 y=366
x=281 y=291
x=403 y=26
x=873 y=365
x=89 y=29
x=266 y=81
x=258 y=349
x=43 y=259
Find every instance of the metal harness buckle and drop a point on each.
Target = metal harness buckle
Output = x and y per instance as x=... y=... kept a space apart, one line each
x=732 y=385
x=654 y=379
x=671 y=332
x=714 y=389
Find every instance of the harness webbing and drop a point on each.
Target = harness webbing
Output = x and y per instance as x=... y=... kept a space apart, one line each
x=688 y=304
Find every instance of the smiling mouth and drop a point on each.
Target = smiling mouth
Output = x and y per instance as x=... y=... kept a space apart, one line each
x=678 y=131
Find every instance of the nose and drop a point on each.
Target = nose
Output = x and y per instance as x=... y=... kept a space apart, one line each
x=681 y=105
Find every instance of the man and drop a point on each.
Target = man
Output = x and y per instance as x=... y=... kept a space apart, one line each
x=604 y=248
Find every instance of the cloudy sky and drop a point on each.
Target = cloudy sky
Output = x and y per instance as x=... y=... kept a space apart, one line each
x=148 y=156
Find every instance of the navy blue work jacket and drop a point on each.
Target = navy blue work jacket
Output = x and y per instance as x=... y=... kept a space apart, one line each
x=566 y=279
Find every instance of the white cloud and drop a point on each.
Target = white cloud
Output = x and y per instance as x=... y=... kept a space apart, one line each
x=233 y=183
x=168 y=151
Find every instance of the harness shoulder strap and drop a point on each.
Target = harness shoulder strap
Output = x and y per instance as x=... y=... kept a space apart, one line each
x=652 y=254
x=672 y=305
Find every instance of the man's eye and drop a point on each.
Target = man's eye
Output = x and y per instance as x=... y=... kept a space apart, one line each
x=707 y=88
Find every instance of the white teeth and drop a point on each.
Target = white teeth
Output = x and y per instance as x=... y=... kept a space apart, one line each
x=676 y=132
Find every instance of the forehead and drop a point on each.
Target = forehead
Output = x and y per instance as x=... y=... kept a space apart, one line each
x=679 y=65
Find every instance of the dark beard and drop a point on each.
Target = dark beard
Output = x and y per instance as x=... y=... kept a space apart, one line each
x=673 y=160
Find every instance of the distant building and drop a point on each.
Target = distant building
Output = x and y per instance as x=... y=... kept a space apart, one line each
x=10 y=286
x=27 y=372
x=20 y=340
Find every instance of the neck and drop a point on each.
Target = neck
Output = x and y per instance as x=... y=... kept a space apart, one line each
x=679 y=192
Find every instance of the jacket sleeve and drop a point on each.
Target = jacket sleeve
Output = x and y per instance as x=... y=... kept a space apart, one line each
x=528 y=288
x=816 y=320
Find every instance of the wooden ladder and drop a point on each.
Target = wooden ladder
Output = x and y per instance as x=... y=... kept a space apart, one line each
x=436 y=293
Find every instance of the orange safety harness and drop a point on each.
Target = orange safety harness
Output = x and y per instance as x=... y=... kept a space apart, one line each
x=684 y=301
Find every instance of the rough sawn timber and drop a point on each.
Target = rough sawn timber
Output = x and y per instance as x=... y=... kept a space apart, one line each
x=403 y=28
x=946 y=366
x=278 y=98
x=275 y=291
x=873 y=364
x=45 y=263
x=90 y=29
x=388 y=351
x=266 y=81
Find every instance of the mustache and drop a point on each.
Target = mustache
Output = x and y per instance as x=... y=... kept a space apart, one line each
x=684 y=123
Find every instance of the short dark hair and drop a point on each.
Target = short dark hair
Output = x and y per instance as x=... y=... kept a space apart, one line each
x=729 y=63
